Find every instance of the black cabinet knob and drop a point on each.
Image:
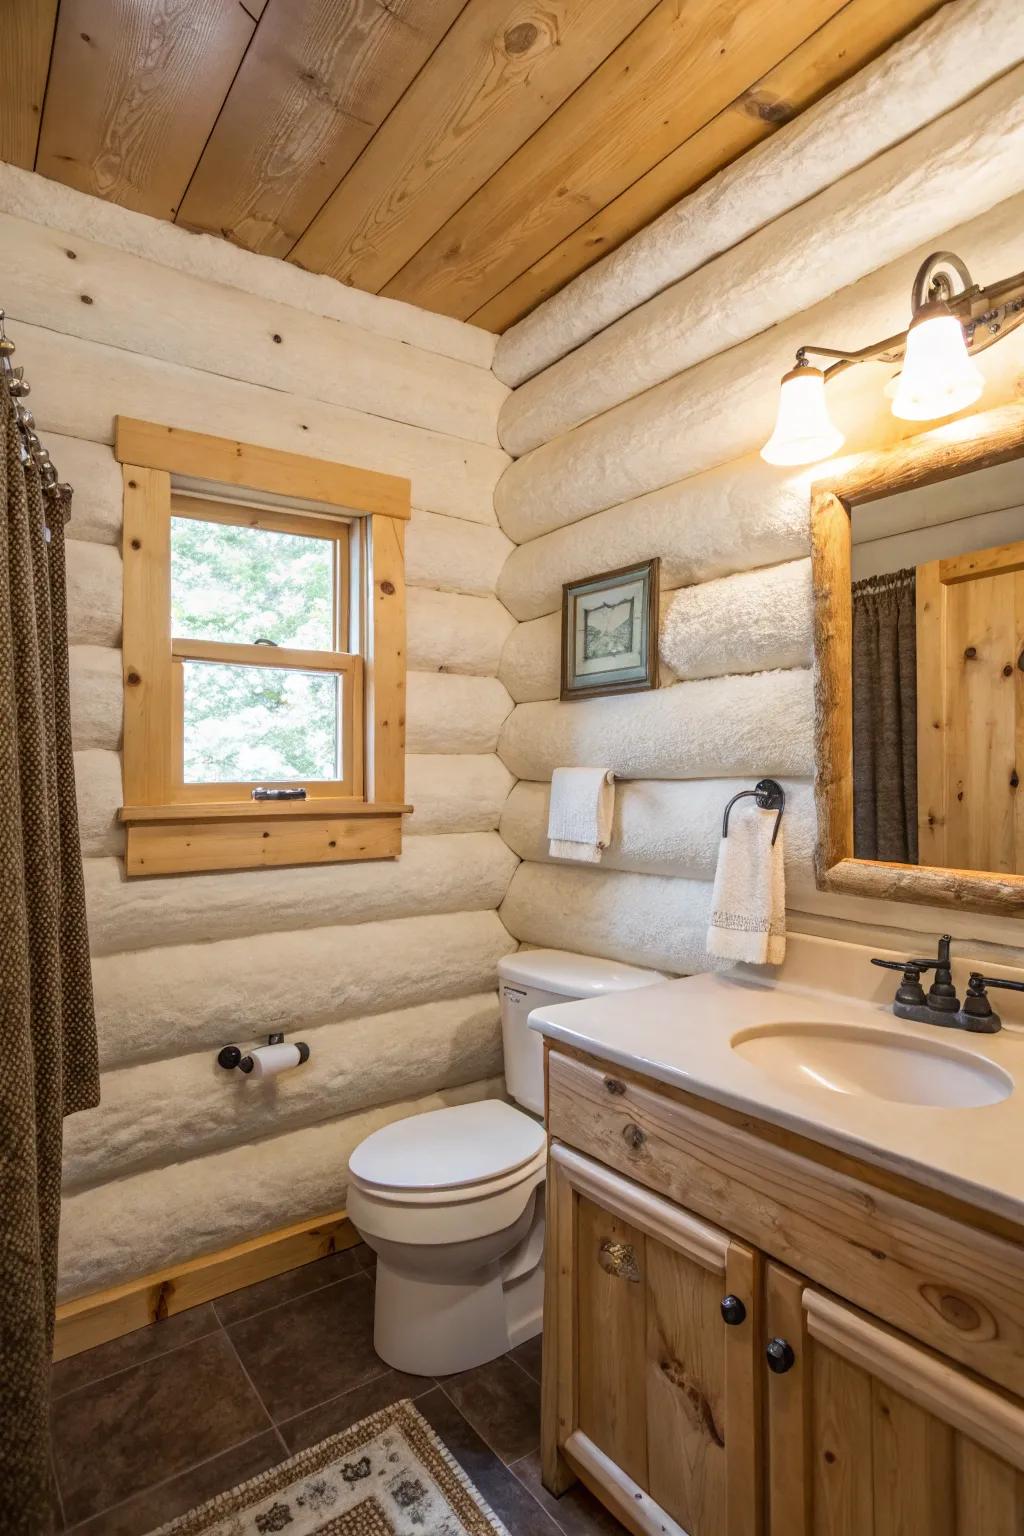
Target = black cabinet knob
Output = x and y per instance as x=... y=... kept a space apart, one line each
x=733 y=1311
x=780 y=1356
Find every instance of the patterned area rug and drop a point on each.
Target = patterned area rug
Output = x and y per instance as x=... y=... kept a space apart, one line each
x=389 y=1475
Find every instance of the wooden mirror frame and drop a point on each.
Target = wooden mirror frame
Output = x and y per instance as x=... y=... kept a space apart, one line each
x=957 y=448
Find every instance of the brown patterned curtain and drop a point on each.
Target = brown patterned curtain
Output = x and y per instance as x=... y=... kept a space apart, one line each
x=48 y=1062
x=885 y=717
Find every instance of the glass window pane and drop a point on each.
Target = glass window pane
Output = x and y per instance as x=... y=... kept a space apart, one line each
x=260 y=724
x=247 y=584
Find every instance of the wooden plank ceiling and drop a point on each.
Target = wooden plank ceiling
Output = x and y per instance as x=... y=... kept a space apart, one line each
x=470 y=156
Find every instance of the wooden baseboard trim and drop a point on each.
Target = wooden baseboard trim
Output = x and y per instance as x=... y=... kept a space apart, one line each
x=105 y=1315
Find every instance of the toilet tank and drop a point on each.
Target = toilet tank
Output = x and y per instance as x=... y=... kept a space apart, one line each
x=533 y=977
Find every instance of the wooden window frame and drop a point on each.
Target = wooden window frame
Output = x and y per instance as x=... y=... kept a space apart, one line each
x=176 y=828
x=976 y=442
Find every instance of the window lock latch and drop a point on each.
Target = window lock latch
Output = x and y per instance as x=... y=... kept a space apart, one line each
x=259 y=793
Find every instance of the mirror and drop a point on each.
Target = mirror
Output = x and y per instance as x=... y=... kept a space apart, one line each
x=918 y=561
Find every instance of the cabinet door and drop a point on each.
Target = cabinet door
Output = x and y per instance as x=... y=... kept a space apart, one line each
x=870 y=1434
x=650 y=1394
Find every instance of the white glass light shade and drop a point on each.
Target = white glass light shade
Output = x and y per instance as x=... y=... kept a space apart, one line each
x=938 y=376
x=804 y=430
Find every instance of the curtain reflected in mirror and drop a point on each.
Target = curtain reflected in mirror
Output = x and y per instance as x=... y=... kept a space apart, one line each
x=938 y=673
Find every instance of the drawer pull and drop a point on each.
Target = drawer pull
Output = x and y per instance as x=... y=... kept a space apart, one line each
x=619 y=1259
x=780 y=1356
x=733 y=1311
x=633 y=1136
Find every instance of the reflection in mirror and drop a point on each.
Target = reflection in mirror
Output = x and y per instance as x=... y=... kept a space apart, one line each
x=938 y=673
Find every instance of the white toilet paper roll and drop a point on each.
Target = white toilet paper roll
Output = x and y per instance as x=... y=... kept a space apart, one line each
x=269 y=1060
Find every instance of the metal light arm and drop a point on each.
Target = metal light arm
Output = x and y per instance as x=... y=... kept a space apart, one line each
x=986 y=314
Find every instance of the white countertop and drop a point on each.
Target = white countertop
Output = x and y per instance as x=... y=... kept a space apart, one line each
x=682 y=1032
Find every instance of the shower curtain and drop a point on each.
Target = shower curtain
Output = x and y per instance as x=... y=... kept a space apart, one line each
x=885 y=717
x=48 y=1059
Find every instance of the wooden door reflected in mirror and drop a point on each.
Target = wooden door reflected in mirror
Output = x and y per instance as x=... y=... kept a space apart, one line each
x=918 y=558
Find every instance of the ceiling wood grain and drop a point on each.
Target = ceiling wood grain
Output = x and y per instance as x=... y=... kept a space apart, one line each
x=316 y=84
x=497 y=76
x=26 y=32
x=470 y=156
x=134 y=91
x=837 y=50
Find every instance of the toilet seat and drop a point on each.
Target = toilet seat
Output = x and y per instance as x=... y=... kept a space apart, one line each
x=411 y=1181
x=463 y=1147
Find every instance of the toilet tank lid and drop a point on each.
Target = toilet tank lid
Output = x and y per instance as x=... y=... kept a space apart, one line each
x=448 y=1148
x=569 y=975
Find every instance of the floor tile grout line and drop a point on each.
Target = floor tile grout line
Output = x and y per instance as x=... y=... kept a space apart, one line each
x=476 y=1428
x=241 y=1365
x=386 y=1370
x=155 y=1487
x=323 y=1401
x=359 y=1274
x=172 y=1349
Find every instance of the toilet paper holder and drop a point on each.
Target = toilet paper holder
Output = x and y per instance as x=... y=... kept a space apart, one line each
x=231 y=1056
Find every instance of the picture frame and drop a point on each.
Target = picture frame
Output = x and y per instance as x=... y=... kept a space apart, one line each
x=610 y=632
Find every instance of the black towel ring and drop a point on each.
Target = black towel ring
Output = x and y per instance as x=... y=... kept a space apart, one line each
x=769 y=795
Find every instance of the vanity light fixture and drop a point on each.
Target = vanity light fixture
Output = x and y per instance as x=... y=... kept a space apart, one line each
x=953 y=320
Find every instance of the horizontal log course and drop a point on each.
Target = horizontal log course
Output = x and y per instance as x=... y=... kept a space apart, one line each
x=89 y=382
x=650 y=920
x=59 y=207
x=452 y=554
x=168 y=1001
x=129 y=1227
x=455 y=792
x=756 y=725
x=750 y=622
x=667 y=828
x=944 y=61
x=970 y=159
x=450 y=632
x=731 y=518
x=145 y=307
x=724 y=407
x=439 y=873
x=148 y=1113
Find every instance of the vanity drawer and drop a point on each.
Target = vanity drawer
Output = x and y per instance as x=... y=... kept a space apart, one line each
x=952 y=1286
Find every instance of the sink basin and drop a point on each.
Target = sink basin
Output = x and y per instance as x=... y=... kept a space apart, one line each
x=873 y=1063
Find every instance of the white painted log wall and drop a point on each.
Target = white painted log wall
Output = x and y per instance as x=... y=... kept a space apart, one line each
x=673 y=472
x=387 y=967
x=944 y=61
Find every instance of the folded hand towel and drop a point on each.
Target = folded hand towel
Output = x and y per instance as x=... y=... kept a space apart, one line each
x=580 y=813
x=748 y=904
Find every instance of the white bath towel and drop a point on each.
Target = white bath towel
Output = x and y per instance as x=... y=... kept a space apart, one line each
x=748 y=904
x=580 y=813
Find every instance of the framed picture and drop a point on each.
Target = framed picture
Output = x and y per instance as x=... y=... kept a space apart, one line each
x=610 y=632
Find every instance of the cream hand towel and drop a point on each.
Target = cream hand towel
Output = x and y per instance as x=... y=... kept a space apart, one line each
x=580 y=813
x=748 y=904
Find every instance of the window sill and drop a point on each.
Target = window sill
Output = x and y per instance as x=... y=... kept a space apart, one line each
x=208 y=836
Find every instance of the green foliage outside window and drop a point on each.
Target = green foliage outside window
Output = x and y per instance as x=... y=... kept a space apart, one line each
x=241 y=585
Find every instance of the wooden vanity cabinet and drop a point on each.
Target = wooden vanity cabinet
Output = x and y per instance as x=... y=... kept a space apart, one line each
x=659 y=1321
x=656 y=1394
x=868 y=1434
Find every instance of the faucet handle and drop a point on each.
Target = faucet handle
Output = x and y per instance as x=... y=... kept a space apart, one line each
x=977 y=983
x=909 y=990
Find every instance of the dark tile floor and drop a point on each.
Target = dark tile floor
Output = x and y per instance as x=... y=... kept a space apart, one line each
x=153 y=1423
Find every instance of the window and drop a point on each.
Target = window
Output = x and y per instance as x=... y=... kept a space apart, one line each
x=264 y=676
x=264 y=647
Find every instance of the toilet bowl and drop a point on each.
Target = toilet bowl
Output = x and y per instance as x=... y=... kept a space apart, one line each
x=453 y=1233
x=452 y=1201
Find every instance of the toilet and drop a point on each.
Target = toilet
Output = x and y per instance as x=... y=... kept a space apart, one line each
x=452 y=1201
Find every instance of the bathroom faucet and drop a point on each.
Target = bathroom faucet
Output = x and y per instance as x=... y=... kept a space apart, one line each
x=942 y=1006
